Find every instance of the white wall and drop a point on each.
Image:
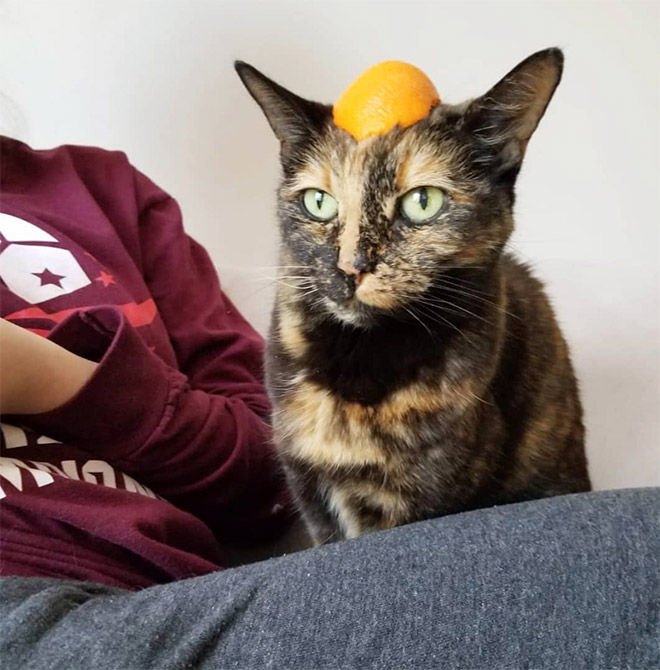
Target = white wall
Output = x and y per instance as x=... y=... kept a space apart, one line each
x=155 y=79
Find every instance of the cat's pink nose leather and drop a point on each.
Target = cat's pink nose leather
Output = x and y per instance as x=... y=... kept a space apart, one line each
x=348 y=266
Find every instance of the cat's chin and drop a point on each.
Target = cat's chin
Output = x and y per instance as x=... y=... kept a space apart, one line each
x=353 y=312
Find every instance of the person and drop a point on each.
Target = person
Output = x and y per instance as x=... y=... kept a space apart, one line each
x=135 y=436
x=136 y=453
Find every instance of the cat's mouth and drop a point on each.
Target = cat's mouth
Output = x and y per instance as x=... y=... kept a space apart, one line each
x=366 y=302
x=351 y=311
x=363 y=304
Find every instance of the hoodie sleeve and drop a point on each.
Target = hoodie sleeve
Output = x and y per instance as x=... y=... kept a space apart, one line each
x=199 y=435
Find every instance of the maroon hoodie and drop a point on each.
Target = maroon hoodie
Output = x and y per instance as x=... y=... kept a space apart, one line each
x=166 y=449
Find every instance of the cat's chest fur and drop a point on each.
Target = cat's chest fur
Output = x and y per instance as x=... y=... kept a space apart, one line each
x=320 y=426
x=355 y=453
x=366 y=417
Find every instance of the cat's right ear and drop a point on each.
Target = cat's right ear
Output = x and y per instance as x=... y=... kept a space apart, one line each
x=293 y=119
x=504 y=119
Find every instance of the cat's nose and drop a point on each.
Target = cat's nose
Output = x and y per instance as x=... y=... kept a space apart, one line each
x=356 y=266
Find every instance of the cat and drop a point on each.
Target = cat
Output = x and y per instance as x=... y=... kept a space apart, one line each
x=415 y=368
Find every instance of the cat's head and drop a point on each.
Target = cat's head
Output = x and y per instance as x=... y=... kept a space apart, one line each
x=370 y=227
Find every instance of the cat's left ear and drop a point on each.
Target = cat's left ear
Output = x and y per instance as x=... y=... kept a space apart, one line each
x=503 y=120
x=292 y=118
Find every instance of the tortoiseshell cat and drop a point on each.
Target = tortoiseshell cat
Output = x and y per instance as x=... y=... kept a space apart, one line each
x=415 y=369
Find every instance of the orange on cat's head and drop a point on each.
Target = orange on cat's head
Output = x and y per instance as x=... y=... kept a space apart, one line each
x=388 y=94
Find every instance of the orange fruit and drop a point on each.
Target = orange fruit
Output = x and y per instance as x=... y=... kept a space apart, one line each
x=387 y=94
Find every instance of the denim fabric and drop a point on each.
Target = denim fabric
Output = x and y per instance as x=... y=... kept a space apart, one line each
x=563 y=583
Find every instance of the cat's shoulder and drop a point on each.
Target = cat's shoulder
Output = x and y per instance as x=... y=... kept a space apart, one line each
x=519 y=275
x=526 y=295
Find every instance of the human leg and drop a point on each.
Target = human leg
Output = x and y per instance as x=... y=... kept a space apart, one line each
x=568 y=582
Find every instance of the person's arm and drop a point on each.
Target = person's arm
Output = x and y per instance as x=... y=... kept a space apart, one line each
x=218 y=350
x=37 y=375
x=208 y=453
x=198 y=436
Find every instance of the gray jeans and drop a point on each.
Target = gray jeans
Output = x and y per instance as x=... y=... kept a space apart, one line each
x=563 y=583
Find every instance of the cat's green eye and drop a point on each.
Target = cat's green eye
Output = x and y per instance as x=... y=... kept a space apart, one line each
x=319 y=204
x=422 y=204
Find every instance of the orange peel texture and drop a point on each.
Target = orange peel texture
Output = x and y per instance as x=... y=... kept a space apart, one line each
x=388 y=94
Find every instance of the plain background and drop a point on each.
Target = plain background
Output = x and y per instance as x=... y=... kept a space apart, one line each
x=154 y=78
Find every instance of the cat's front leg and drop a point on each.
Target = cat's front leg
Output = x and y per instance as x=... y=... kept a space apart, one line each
x=307 y=490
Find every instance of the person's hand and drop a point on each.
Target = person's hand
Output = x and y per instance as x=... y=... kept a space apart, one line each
x=37 y=375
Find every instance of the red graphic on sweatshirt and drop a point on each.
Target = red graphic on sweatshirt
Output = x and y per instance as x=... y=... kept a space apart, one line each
x=105 y=278
x=137 y=314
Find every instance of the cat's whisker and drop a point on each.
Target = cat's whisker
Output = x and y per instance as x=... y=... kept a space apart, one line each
x=438 y=318
x=263 y=287
x=279 y=267
x=464 y=285
x=279 y=278
x=297 y=279
x=518 y=251
x=462 y=281
x=433 y=315
x=466 y=293
x=439 y=303
x=294 y=286
x=435 y=267
x=470 y=295
x=309 y=292
x=428 y=330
